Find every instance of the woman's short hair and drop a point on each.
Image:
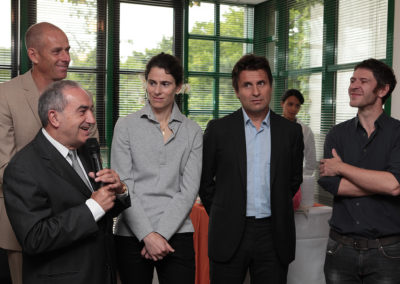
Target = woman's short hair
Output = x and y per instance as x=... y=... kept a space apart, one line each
x=171 y=64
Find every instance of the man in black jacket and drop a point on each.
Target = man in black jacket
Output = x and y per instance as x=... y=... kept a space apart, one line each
x=252 y=168
x=361 y=170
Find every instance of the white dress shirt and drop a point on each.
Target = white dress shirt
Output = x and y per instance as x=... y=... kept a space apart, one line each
x=94 y=207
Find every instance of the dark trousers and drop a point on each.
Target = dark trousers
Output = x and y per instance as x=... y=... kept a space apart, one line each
x=175 y=268
x=346 y=265
x=256 y=253
x=4 y=271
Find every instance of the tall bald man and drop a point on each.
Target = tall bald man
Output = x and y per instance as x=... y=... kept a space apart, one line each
x=48 y=49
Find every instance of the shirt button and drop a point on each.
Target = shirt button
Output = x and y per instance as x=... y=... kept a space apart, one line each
x=357 y=222
x=365 y=150
x=358 y=204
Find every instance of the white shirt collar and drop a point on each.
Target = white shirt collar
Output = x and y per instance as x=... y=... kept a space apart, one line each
x=60 y=147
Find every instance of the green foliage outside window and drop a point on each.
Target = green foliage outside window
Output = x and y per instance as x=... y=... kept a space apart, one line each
x=211 y=93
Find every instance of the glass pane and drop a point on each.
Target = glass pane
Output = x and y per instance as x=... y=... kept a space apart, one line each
x=87 y=80
x=201 y=55
x=227 y=97
x=132 y=94
x=343 y=109
x=361 y=35
x=310 y=112
x=201 y=18
x=271 y=20
x=5 y=75
x=310 y=87
x=233 y=21
x=5 y=38
x=230 y=54
x=138 y=45
x=201 y=94
x=78 y=20
x=201 y=119
x=305 y=35
x=271 y=55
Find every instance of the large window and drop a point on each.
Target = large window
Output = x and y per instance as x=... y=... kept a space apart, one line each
x=321 y=42
x=217 y=36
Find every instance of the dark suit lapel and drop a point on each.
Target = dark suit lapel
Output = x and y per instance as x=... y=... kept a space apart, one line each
x=59 y=165
x=239 y=138
x=275 y=145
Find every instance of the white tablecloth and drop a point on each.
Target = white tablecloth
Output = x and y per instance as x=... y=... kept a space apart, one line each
x=312 y=231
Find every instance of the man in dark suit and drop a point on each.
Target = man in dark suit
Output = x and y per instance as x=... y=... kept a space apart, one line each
x=252 y=167
x=62 y=218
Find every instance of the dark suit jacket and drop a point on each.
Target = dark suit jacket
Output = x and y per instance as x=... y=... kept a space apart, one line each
x=45 y=200
x=224 y=179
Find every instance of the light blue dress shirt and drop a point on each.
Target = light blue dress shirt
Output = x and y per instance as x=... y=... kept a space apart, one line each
x=258 y=152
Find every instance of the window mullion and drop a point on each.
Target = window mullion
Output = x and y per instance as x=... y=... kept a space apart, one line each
x=216 y=60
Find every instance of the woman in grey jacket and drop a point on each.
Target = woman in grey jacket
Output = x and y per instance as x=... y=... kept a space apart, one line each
x=157 y=152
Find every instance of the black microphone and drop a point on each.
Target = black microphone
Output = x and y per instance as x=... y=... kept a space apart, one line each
x=93 y=149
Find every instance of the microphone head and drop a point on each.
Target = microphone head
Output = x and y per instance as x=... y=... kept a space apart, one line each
x=93 y=150
x=92 y=145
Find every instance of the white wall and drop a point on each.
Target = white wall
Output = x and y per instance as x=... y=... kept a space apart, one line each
x=395 y=111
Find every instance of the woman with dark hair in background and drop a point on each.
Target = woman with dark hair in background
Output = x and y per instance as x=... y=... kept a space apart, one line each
x=157 y=152
x=291 y=102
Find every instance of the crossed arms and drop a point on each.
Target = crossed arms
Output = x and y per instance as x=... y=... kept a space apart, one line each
x=341 y=178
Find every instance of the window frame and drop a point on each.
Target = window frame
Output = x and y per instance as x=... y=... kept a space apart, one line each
x=216 y=75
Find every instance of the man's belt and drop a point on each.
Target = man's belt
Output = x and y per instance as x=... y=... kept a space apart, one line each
x=362 y=243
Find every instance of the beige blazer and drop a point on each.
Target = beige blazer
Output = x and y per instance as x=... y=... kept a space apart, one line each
x=19 y=124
